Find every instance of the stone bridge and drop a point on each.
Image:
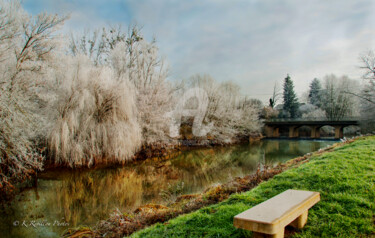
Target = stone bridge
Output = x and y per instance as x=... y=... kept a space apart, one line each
x=272 y=127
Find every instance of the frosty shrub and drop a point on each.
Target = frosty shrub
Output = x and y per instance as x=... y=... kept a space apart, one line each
x=316 y=113
x=311 y=111
x=269 y=113
x=231 y=115
x=97 y=118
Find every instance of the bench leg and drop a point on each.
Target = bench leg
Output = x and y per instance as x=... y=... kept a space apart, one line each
x=279 y=234
x=300 y=222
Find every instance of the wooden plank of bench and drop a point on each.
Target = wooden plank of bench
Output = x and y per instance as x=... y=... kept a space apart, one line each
x=271 y=217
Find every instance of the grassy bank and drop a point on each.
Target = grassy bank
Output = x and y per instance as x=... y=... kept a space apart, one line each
x=345 y=178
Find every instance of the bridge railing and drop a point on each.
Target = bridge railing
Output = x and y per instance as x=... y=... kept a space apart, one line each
x=312 y=119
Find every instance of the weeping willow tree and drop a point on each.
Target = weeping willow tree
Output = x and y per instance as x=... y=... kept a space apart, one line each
x=97 y=120
x=132 y=56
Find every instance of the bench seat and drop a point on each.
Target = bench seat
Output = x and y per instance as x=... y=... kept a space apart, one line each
x=269 y=218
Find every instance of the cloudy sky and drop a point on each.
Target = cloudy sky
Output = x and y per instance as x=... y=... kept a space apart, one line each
x=252 y=42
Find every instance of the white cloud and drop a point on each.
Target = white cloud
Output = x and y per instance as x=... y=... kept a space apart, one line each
x=253 y=43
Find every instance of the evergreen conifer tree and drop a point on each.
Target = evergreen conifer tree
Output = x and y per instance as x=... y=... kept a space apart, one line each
x=290 y=99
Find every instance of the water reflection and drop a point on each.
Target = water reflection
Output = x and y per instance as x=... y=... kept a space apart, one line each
x=84 y=197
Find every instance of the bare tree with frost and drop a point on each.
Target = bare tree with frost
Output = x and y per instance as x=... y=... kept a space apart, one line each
x=367 y=95
x=139 y=60
x=27 y=47
x=337 y=101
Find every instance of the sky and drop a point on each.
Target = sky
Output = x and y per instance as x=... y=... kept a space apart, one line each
x=254 y=43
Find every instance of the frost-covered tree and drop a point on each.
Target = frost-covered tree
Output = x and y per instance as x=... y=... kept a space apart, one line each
x=368 y=65
x=290 y=98
x=131 y=56
x=97 y=119
x=140 y=62
x=367 y=94
x=229 y=115
x=315 y=93
x=27 y=50
x=337 y=99
x=97 y=45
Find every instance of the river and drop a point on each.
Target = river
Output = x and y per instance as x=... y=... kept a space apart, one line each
x=64 y=199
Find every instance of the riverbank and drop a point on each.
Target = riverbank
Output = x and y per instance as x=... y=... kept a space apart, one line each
x=154 y=152
x=345 y=177
x=160 y=151
x=86 y=196
x=120 y=224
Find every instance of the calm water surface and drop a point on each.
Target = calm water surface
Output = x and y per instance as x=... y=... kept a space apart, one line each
x=65 y=199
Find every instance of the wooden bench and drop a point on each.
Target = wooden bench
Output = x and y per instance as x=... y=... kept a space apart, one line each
x=270 y=218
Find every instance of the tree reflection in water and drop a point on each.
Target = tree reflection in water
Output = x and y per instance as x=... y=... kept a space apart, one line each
x=86 y=196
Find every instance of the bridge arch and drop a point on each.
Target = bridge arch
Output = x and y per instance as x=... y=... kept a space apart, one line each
x=304 y=131
x=352 y=130
x=326 y=131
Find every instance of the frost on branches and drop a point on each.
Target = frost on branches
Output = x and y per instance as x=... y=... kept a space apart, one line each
x=98 y=98
x=136 y=59
x=97 y=121
x=230 y=115
x=27 y=46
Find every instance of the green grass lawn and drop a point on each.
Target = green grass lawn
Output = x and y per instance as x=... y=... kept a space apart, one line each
x=345 y=179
